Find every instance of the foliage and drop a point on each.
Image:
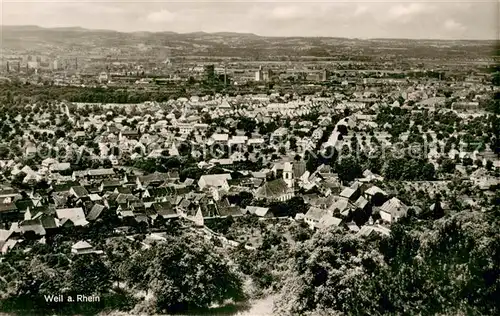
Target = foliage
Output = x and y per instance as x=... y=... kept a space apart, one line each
x=449 y=266
x=348 y=169
x=89 y=275
x=408 y=169
x=185 y=274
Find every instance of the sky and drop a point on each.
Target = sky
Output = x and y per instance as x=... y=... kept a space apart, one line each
x=419 y=19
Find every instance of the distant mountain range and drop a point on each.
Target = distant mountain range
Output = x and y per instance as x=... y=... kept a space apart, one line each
x=76 y=40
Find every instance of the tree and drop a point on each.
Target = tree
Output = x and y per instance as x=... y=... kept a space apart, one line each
x=334 y=273
x=348 y=169
x=4 y=152
x=342 y=129
x=323 y=265
x=89 y=275
x=447 y=166
x=489 y=165
x=187 y=273
x=428 y=172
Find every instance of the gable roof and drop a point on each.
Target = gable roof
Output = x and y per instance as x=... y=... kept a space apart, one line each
x=80 y=191
x=230 y=211
x=220 y=137
x=5 y=234
x=49 y=222
x=394 y=207
x=111 y=183
x=273 y=189
x=34 y=225
x=374 y=190
x=259 y=211
x=95 y=212
x=101 y=172
x=81 y=245
x=215 y=180
x=341 y=204
x=347 y=193
x=165 y=209
x=315 y=213
x=154 y=177
x=70 y=213
x=327 y=221
x=353 y=227
x=299 y=168
x=361 y=202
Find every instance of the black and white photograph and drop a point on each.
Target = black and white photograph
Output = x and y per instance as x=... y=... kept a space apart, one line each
x=249 y=158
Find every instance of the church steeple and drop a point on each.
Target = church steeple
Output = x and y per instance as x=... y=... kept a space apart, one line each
x=288 y=174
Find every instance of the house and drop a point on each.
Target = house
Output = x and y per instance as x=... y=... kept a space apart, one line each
x=320 y=218
x=361 y=203
x=369 y=176
x=154 y=179
x=368 y=230
x=95 y=212
x=79 y=175
x=219 y=138
x=100 y=174
x=31 y=151
x=327 y=221
x=33 y=226
x=280 y=133
x=129 y=134
x=370 y=192
x=313 y=216
x=259 y=211
x=276 y=190
x=165 y=210
x=342 y=206
x=208 y=209
x=49 y=223
x=9 y=195
x=392 y=210
x=375 y=195
x=9 y=212
x=83 y=247
x=237 y=140
x=78 y=192
x=352 y=227
x=74 y=215
x=233 y=211
x=59 y=167
x=350 y=194
x=109 y=185
x=8 y=245
x=218 y=181
x=255 y=141
x=5 y=242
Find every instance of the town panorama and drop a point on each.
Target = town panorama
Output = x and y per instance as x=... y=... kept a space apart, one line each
x=160 y=173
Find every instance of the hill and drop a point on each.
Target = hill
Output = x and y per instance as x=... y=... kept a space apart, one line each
x=76 y=40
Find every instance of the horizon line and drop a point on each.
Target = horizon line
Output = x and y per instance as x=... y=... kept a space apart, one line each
x=246 y=33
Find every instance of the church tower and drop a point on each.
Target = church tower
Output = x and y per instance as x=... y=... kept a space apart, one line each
x=288 y=174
